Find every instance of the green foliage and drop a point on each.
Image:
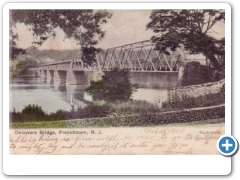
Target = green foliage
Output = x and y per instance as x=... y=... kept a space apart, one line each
x=190 y=28
x=141 y=120
x=21 y=67
x=134 y=107
x=31 y=125
x=192 y=102
x=89 y=54
x=114 y=86
x=93 y=110
x=50 y=54
x=84 y=26
x=31 y=112
x=144 y=120
x=195 y=73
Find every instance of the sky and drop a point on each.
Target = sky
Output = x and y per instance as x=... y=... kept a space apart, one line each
x=125 y=26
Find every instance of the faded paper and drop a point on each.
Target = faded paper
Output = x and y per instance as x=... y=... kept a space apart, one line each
x=165 y=140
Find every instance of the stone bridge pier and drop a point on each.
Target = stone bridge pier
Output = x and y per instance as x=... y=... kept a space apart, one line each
x=73 y=73
x=69 y=72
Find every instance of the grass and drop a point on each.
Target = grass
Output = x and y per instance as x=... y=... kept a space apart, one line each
x=63 y=124
x=134 y=107
x=51 y=124
x=34 y=113
x=131 y=113
x=135 y=120
x=192 y=102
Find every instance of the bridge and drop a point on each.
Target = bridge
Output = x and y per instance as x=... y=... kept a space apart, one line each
x=148 y=66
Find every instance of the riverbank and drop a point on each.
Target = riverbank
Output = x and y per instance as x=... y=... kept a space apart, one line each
x=204 y=114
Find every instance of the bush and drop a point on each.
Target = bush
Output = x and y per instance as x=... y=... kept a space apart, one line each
x=21 y=67
x=195 y=73
x=143 y=119
x=201 y=101
x=33 y=113
x=134 y=107
x=151 y=119
x=29 y=113
x=114 y=86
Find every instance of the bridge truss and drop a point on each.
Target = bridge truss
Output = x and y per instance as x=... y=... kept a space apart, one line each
x=140 y=56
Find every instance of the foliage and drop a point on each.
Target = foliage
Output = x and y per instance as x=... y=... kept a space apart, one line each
x=151 y=119
x=143 y=120
x=50 y=55
x=134 y=107
x=84 y=26
x=195 y=73
x=201 y=101
x=190 y=28
x=22 y=67
x=31 y=112
x=95 y=109
x=46 y=124
x=114 y=86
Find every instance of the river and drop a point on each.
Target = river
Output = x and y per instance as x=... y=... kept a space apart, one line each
x=55 y=96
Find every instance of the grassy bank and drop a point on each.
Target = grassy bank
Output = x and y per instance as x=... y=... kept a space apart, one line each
x=97 y=109
x=136 y=120
x=130 y=113
x=191 y=102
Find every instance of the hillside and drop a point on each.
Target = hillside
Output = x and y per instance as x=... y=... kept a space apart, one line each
x=43 y=56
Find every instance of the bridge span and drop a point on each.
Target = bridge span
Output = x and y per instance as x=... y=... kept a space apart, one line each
x=149 y=67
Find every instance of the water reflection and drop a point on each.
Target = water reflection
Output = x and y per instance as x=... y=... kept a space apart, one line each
x=52 y=96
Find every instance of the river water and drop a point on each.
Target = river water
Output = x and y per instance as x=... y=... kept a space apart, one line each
x=55 y=96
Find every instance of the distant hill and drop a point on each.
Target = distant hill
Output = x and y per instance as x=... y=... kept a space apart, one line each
x=43 y=56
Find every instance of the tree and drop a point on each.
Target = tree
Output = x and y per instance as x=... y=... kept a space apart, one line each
x=195 y=73
x=189 y=28
x=23 y=67
x=82 y=25
x=115 y=85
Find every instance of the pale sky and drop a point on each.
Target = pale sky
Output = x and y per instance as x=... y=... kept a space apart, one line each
x=125 y=26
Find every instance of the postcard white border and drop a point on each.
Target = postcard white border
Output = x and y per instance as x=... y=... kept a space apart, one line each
x=114 y=164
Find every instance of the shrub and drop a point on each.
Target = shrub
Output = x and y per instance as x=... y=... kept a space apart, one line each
x=151 y=119
x=33 y=112
x=143 y=119
x=134 y=107
x=195 y=73
x=201 y=101
x=114 y=86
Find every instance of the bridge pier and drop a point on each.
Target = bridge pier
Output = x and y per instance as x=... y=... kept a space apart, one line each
x=153 y=79
x=44 y=74
x=50 y=74
x=41 y=73
x=77 y=77
x=56 y=76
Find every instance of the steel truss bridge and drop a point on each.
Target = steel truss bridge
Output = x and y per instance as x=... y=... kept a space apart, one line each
x=139 y=56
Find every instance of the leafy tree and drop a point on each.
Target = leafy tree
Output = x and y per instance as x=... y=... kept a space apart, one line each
x=82 y=25
x=190 y=28
x=115 y=85
x=195 y=73
x=33 y=112
x=23 y=67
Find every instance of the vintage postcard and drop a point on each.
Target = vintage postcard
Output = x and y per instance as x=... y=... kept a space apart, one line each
x=107 y=81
